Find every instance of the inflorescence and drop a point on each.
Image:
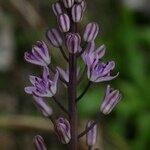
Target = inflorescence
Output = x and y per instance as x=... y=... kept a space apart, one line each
x=73 y=46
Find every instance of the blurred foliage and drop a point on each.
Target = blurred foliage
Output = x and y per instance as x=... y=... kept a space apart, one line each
x=126 y=34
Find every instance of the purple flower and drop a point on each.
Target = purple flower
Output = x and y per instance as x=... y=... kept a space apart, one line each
x=63 y=22
x=54 y=36
x=39 y=143
x=43 y=87
x=65 y=74
x=97 y=70
x=62 y=129
x=73 y=42
x=77 y=12
x=42 y=106
x=57 y=8
x=68 y=3
x=112 y=98
x=91 y=136
x=91 y=32
x=39 y=54
x=101 y=72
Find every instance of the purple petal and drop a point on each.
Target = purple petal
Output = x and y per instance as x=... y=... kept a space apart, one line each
x=107 y=78
x=34 y=79
x=46 y=73
x=30 y=89
x=54 y=84
x=90 y=47
x=108 y=67
x=29 y=57
x=101 y=51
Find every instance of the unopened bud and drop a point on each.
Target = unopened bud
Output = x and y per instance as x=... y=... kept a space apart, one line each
x=54 y=36
x=62 y=129
x=77 y=13
x=39 y=143
x=68 y=3
x=57 y=8
x=91 y=32
x=73 y=42
x=112 y=98
x=91 y=136
x=64 y=22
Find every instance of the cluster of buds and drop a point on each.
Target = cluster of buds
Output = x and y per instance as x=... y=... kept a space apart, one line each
x=68 y=13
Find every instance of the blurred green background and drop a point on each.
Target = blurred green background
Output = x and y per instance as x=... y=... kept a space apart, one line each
x=124 y=29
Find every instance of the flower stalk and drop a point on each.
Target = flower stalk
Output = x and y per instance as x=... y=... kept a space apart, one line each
x=72 y=94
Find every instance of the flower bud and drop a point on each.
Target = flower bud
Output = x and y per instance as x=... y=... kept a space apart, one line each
x=39 y=143
x=54 y=36
x=64 y=22
x=112 y=98
x=42 y=106
x=91 y=32
x=68 y=3
x=73 y=42
x=78 y=1
x=57 y=8
x=62 y=129
x=77 y=12
x=91 y=136
x=39 y=54
x=83 y=4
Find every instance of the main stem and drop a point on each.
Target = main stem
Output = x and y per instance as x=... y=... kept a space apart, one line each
x=72 y=94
